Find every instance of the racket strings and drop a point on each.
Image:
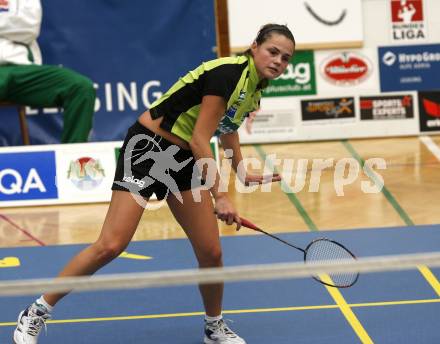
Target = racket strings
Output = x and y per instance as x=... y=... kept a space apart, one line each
x=326 y=250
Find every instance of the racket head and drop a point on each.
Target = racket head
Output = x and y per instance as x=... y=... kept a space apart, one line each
x=323 y=249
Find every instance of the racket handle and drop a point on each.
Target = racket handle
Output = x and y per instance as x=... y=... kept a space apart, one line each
x=248 y=224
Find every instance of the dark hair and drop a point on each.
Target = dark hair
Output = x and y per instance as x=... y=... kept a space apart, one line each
x=267 y=30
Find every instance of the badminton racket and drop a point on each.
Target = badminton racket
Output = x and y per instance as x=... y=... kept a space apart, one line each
x=319 y=250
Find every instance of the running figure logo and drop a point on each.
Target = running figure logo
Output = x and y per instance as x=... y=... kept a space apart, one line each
x=163 y=162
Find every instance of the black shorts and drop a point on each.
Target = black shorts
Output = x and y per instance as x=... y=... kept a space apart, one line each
x=149 y=164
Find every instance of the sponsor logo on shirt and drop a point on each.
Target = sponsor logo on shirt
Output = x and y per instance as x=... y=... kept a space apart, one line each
x=228 y=123
x=133 y=180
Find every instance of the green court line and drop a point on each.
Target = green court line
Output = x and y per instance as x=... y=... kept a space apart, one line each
x=337 y=296
x=403 y=215
x=424 y=270
x=290 y=194
x=236 y=311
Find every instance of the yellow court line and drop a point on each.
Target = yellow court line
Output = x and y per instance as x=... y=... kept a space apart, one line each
x=430 y=277
x=425 y=271
x=394 y=303
x=346 y=311
x=237 y=311
x=281 y=309
x=134 y=256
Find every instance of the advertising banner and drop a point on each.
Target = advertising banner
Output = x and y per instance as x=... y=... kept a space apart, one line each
x=386 y=107
x=85 y=174
x=27 y=176
x=269 y=126
x=298 y=79
x=415 y=67
x=61 y=174
x=407 y=21
x=429 y=110
x=340 y=72
x=315 y=23
x=330 y=110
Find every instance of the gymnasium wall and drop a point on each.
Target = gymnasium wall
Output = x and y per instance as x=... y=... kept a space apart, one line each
x=379 y=78
x=133 y=54
x=132 y=50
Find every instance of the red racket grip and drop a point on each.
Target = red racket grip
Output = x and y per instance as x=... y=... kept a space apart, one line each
x=248 y=224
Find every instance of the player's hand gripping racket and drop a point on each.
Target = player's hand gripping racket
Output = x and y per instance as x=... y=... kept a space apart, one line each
x=321 y=249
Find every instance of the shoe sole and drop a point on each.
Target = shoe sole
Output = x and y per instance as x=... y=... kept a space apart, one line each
x=206 y=340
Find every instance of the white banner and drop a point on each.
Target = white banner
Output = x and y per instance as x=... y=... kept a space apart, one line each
x=314 y=23
x=347 y=72
x=60 y=174
x=269 y=126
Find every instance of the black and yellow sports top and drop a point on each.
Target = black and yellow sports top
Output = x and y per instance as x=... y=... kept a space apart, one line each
x=233 y=78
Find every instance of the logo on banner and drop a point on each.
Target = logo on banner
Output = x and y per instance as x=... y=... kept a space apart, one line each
x=324 y=109
x=389 y=58
x=86 y=173
x=325 y=21
x=413 y=67
x=429 y=109
x=4 y=6
x=298 y=79
x=27 y=176
x=387 y=107
x=407 y=20
x=346 y=69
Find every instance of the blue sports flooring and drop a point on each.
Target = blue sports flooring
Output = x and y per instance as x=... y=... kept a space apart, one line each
x=392 y=307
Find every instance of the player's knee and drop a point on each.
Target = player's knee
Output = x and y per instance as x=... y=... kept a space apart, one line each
x=108 y=251
x=211 y=258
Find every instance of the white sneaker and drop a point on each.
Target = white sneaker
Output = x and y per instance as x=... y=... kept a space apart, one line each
x=29 y=324
x=218 y=332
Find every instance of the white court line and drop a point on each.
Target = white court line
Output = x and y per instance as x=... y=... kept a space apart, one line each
x=431 y=145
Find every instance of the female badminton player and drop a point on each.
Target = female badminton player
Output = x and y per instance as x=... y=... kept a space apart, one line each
x=160 y=155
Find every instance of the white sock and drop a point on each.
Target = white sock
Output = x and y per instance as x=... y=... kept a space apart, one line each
x=212 y=319
x=43 y=302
